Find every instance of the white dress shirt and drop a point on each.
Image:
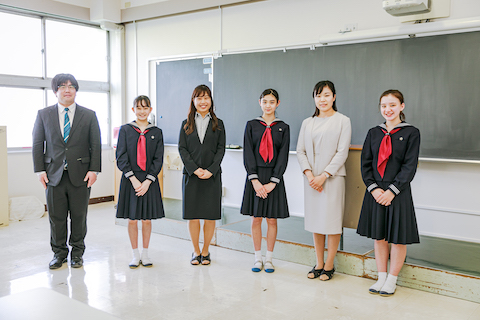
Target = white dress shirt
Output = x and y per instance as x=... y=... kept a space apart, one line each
x=202 y=124
x=61 y=115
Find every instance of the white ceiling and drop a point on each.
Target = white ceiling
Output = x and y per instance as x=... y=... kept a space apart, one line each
x=131 y=10
x=125 y=4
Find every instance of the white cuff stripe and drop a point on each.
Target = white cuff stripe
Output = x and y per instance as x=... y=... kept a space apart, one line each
x=128 y=174
x=276 y=180
x=372 y=186
x=150 y=177
x=395 y=189
x=253 y=176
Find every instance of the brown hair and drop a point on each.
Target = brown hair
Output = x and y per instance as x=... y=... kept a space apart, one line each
x=199 y=91
x=397 y=94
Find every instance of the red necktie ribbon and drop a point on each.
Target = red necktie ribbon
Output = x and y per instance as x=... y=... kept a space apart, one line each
x=385 y=151
x=266 y=144
x=141 y=149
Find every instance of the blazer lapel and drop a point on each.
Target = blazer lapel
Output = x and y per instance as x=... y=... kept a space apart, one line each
x=76 y=119
x=208 y=132
x=56 y=121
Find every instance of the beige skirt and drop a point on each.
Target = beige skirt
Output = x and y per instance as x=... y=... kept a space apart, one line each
x=324 y=210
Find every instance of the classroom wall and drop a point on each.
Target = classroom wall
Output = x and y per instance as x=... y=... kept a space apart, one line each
x=443 y=192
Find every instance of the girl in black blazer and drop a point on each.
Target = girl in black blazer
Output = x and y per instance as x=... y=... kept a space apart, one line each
x=202 y=147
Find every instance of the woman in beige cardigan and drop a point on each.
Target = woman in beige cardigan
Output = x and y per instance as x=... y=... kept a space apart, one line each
x=322 y=150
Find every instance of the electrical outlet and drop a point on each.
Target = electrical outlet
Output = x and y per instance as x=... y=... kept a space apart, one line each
x=349 y=27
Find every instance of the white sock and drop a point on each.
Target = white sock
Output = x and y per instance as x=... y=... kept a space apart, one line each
x=390 y=285
x=258 y=255
x=269 y=256
x=144 y=253
x=136 y=254
x=382 y=277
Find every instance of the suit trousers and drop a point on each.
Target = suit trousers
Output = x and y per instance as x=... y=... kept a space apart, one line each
x=63 y=199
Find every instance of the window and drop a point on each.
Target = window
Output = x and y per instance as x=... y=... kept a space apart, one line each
x=24 y=57
x=18 y=112
x=79 y=49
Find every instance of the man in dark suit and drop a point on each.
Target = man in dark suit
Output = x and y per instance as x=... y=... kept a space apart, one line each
x=67 y=158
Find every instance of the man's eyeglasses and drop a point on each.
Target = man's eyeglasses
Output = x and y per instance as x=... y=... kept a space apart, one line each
x=63 y=87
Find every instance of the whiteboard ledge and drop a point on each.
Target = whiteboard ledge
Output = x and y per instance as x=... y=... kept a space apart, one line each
x=448 y=160
x=410 y=30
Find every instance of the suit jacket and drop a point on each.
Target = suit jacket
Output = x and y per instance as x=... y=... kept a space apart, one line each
x=329 y=151
x=82 y=150
x=208 y=155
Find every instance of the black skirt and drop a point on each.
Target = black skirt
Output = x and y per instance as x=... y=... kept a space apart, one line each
x=395 y=223
x=274 y=206
x=147 y=207
x=202 y=198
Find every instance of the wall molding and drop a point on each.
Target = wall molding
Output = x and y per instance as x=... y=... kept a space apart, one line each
x=448 y=210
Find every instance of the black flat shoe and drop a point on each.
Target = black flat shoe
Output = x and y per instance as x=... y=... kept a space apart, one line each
x=316 y=273
x=76 y=262
x=56 y=263
x=328 y=273
x=206 y=259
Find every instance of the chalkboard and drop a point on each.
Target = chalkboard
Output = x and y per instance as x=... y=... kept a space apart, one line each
x=439 y=76
x=175 y=83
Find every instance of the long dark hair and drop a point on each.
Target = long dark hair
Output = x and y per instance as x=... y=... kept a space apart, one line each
x=318 y=89
x=397 y=94
x=197 y=92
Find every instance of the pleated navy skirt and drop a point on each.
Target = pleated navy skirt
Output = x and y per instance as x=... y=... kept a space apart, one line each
x=395 y=223
x=274 y=206
x=147 y=207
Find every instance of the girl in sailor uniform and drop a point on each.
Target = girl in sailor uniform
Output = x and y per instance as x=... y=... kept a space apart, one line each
x=202 y=147
x=140 y=158
x=265 y=153
x=389 y=162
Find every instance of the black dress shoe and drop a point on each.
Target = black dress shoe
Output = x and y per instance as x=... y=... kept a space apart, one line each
x=56 y=263
x=76 y=262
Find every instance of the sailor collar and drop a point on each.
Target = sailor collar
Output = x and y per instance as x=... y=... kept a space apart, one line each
x=400 y=125
x=134 y=124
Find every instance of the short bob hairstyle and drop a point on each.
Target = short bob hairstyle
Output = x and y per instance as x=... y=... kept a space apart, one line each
x=61 y=79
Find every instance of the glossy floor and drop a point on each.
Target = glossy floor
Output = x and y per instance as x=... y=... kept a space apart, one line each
x=173 y=289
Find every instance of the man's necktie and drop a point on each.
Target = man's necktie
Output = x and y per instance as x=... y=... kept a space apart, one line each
x=66 y=126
